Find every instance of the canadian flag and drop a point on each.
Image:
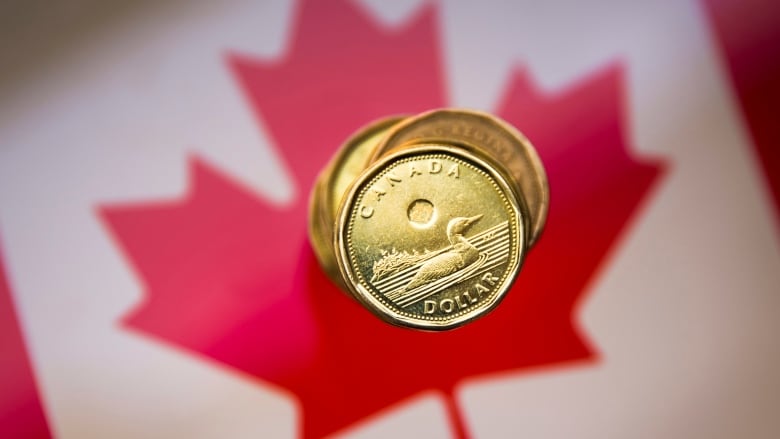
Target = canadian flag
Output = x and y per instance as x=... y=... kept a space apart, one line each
x=156 y=279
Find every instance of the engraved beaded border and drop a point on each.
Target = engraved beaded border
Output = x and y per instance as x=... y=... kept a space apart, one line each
x=510 y=262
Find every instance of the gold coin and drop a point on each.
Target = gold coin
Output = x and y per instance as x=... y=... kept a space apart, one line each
x=331 y=185
x=494 y=137
x=430 y=237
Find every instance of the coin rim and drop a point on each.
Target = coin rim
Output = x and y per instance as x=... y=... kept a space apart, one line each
x=320 y=242
x=373 y=304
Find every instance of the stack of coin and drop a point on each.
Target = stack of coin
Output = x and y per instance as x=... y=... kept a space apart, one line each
x=426 y=219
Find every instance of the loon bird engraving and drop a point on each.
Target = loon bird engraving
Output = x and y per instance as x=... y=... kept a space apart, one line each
x=462 y=254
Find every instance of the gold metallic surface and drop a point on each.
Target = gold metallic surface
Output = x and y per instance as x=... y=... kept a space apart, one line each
x=352 y=160
x=480 y=132
x=431 y=237
x=321 y=236
x=332 y=184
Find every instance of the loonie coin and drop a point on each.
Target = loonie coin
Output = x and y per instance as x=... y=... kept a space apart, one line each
x=430 y=237
x=480 y=131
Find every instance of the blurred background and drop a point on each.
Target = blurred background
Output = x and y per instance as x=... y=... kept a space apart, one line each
x=148 y=150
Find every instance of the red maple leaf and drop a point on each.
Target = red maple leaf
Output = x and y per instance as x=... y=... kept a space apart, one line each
x=231 y=276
